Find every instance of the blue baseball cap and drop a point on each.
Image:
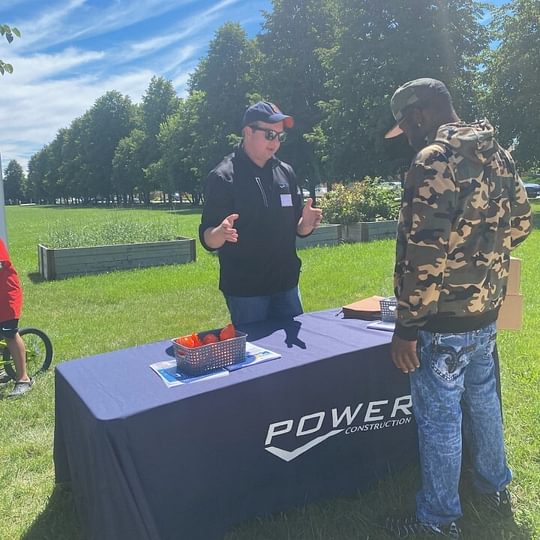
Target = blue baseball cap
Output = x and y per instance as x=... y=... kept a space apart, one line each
x=264 y=111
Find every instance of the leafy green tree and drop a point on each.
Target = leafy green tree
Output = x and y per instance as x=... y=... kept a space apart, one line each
x=72 y=168
x=156 y=175
x=228 y=75
x=43 y=180
x=37 y=170
x=293 y=76
x=8 y=32
x=14 y=182
x=110 y=119
x=127 y=170
x=513 y=79
x=381 y=45
x=158 y=103
x=54 y=182
x=184 y=148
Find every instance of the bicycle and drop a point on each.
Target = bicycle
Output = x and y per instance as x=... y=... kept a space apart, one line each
x=39 y=352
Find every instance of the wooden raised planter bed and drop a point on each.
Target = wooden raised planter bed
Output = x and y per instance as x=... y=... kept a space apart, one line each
x=58 y=263
x=328 y=234
x=365 y=231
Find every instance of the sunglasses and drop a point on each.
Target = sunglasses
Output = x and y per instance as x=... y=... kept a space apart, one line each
x=270 y=134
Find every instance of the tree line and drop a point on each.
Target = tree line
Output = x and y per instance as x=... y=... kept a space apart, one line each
x=333 y=65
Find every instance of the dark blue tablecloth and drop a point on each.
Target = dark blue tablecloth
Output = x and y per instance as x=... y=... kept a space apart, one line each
x=186 y=463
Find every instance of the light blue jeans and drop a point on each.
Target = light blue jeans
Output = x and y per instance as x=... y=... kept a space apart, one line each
x=456 y=384
x=248 y=309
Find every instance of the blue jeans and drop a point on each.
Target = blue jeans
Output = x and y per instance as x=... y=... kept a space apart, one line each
x=248 y=309
x=456 y=383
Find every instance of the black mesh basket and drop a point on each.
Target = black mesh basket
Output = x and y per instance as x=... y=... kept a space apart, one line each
x=200 y=360
x=388 y=309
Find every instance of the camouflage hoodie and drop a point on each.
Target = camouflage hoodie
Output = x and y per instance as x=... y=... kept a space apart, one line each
x=464 y=208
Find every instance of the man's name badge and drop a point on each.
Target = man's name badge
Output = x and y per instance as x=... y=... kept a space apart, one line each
x=286 y=199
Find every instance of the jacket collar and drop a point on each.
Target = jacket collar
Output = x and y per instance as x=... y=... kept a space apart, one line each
x=239 y=151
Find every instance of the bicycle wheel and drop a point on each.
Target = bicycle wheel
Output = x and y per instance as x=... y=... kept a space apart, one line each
x=39 y=352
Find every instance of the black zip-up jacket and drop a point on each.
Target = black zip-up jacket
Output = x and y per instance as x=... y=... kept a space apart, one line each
x=269 y=205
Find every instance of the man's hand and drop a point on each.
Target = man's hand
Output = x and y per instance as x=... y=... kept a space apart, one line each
x=227 y=229
x=404 y=354
x=224 y=232
x=311 y=218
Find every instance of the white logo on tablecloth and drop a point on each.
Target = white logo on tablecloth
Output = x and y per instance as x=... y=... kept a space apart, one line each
x=376 y=417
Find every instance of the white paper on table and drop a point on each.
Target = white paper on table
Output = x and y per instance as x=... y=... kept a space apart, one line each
x=171 y=377
x=166 y=369
x=254 y=355
x=382 y=325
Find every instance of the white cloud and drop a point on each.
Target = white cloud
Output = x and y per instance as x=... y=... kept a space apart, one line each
x=180 y=81
x=188 y=27
x=59 y=73
x=64 y=22
x=30 y=69
x=34 y=111
x=49 y=22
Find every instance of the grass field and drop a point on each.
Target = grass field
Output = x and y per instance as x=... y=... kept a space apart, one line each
x=93 y=314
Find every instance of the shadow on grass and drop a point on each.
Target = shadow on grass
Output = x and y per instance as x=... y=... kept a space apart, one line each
x=330 y=523
x=362 y=517
x=343 y=518
x=482 y=522
x=58 y=521
x=35 y=277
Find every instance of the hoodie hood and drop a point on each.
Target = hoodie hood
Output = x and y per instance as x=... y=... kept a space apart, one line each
x=473 y=141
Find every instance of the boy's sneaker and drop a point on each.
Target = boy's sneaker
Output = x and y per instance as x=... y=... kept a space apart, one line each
x=20 y=388
x=500 y=502
x=4 y=377
x=410 y=527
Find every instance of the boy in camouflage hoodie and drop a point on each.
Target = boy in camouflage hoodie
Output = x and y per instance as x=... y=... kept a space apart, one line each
x=464 y=208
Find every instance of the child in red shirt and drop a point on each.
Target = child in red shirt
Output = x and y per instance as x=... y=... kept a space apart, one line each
x=10 y=312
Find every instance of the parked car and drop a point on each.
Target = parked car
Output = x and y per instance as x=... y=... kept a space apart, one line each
x=392 y=184
x=533 y=190
x=319 y=191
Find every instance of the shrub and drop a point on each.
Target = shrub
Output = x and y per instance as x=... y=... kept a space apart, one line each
x=368 y=200
x=112 y=231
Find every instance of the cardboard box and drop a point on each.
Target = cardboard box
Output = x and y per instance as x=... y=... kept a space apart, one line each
x=368 y=309
x=514 y=276
x=511 y=313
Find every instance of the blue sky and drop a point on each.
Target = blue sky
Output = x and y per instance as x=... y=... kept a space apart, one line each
x=73 y=51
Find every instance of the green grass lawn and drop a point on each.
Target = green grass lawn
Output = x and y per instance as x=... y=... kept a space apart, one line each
x=92 y=314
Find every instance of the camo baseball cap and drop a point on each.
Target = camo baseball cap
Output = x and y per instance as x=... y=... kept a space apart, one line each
x=417 y=93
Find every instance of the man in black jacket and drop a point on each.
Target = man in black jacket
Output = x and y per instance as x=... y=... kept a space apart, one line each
x=252 y=214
